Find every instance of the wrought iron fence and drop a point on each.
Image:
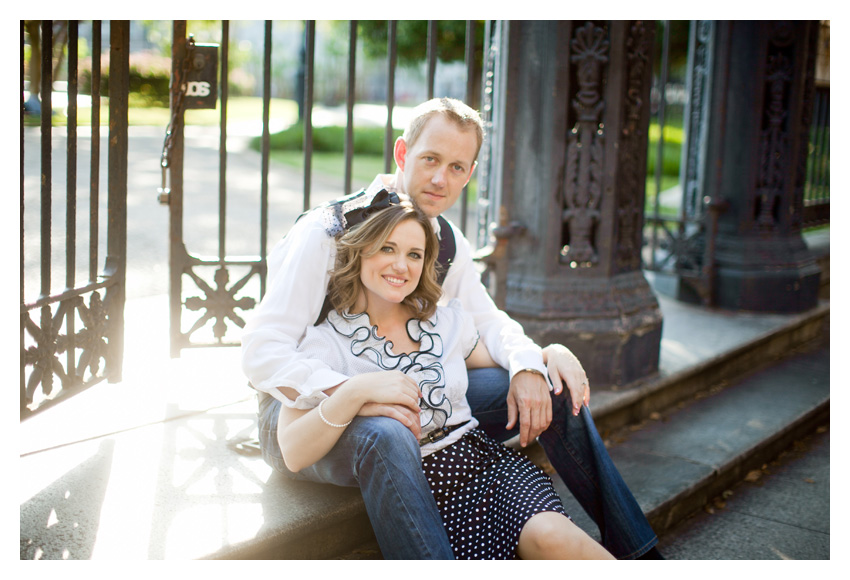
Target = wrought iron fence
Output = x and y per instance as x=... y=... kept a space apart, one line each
x=675 y=218
x=816 y=191
x=73 y=333
x=219 y=299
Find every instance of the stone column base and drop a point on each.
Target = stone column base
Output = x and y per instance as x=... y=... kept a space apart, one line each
x=612 y=325
x=771 y=275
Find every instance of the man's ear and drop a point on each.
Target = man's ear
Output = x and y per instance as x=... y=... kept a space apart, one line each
x=400 y=152
x=471 y=171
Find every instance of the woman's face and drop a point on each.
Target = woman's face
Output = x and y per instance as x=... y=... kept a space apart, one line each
x=394 y=271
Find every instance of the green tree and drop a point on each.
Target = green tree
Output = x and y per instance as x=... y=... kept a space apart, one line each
x=412 y=39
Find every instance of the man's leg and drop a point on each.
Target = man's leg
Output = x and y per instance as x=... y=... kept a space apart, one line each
x=381 y=456
x=573 y=446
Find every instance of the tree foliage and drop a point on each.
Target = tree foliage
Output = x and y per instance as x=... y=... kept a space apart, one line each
x=412 y=39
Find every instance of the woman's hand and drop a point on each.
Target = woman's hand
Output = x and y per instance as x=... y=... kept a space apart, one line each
x=564 y=367
x=304 y=437
x=388 y=394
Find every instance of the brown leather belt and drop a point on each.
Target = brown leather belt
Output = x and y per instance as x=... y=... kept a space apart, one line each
x=439 y=434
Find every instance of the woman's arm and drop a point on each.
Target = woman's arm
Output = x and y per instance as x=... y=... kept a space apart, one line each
x=303 y=436
x=480 y=357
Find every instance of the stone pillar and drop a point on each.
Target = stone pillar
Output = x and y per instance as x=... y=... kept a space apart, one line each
x=760 y=114
x=572 y=170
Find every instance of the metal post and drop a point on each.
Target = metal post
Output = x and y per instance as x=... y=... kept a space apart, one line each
x=391 y=63
x=310 y=47
x=176 y=252
x=575 y=138
x=119 y=90
x=757 y=145
x=432 y=56
x=222 y=145
x=349 y=105
x=94 y=183
x=264 y=179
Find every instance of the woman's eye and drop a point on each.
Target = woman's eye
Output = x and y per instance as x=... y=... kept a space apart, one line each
x=387 y=249
x=416 y=255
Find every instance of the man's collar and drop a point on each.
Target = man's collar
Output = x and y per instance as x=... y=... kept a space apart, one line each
x=382 y=181
x=388 y=181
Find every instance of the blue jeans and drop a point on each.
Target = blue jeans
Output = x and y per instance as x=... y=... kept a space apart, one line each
x=576 y=451
x=381 y=456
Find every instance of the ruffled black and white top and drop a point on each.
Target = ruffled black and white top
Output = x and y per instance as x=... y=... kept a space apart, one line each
x=350 y=344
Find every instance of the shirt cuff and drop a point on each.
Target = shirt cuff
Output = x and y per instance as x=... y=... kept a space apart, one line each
x=311 y=392
x=529 y=361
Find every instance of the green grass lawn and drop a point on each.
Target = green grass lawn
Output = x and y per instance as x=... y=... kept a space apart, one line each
x=238 y=109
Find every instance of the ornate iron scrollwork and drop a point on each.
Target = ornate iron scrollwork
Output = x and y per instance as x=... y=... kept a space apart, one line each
x=87 y=349
x=585 y=147
x=774 y=138
x=219 y=302
x=633 y=142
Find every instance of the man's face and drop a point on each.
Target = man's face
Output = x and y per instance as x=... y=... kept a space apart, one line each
x=438 y=166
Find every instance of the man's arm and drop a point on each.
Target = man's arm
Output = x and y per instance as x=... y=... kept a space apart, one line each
x=504 y=337
x=529 y=401
x=298 y=279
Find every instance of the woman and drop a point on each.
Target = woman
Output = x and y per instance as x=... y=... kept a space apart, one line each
x=408 y=357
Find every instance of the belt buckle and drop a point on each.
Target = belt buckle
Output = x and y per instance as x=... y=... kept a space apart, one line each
x=440 y=435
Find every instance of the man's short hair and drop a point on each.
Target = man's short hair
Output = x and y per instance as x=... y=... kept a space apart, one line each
x=464 y=116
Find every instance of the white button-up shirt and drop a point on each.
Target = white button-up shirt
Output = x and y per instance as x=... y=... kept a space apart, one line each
x=299 y=269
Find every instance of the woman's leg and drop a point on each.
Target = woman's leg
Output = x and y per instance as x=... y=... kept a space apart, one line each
x=574 y=448
x=553 y=536
x=381 y=457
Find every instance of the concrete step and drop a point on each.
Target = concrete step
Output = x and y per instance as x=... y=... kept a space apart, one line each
x=779 y=512
x=682 y=458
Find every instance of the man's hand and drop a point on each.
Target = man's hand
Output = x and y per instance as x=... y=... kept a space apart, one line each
x=564 y=367
x=530 y=402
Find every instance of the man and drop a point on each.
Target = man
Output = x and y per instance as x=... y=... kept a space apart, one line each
x=436 y=157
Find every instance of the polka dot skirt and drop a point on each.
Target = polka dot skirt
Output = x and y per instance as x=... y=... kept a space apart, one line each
x=485 y=493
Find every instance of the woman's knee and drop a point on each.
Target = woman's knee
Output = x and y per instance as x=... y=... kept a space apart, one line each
x=386 y=436
x=553 y=536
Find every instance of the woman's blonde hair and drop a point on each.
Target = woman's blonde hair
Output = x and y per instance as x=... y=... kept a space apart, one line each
x=365 y=240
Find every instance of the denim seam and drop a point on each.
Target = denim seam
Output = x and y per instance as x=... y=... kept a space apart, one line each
x=642 y=550
x=419 y=532
x=577 y=458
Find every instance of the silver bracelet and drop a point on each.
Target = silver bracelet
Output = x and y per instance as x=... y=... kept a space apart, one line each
x=322 y=417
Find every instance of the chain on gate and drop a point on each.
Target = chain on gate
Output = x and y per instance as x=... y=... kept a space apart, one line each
x=198 y=90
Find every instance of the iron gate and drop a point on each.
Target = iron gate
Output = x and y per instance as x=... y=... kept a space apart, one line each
x=75 y=334
x=208 y=293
